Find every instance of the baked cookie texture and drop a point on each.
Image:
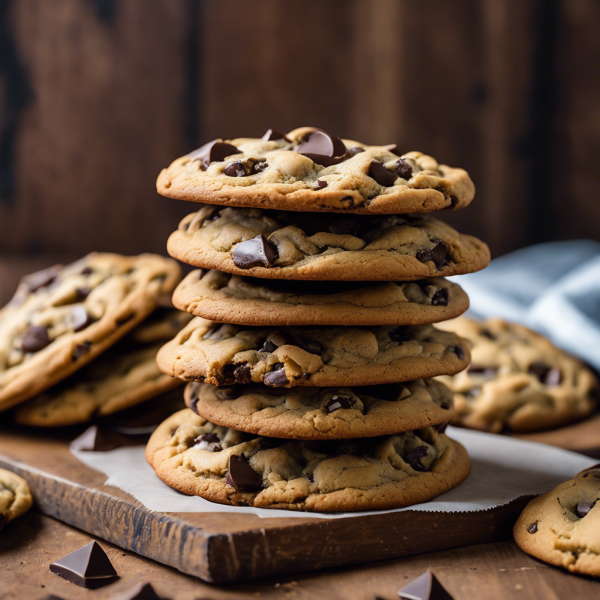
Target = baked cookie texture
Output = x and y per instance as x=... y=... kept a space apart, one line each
x=60 y=319
x=288 y=245
x=227 y=298
x=291 y=173
x=223 y=354
x=15 y=497
x=124 y=376
x=518 y=380
x=323 y=413
x=219 y=464
x=563 y=527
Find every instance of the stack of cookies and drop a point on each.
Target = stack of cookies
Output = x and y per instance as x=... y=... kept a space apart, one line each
x=312 y=353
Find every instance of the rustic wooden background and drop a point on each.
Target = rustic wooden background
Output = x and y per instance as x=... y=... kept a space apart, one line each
x=98 y=95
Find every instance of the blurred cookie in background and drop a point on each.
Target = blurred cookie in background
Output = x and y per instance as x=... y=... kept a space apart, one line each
x=15 y=497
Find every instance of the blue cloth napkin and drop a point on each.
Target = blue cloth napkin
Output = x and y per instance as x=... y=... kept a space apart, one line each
x=552 y=288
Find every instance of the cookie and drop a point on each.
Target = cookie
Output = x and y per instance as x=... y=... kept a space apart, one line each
x=60 y=319
x=323 y=413
x=309 y=170
x=287 y=245
x=230 y=298
x=563 y=527
x=15 y=497
x=518 y=380
x=226 y=466
x=223 y=354
x=123 y=376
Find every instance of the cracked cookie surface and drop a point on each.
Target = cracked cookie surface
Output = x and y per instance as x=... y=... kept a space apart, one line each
x=219 y=464
x=63 y=317
x=323 y=413
x=125 y=375
x=563 y=527
x=15 y=497
x=271 y=174
x=223 y=354
x=287 y=245
x=518 y=380
x=230 y=298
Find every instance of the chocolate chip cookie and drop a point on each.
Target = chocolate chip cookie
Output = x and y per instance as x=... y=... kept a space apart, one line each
x=287 y=245
x=311 y=170
x=125 y=375
x=518 y=380
x=223 y=465
x=63 y=317
x=323 y=413
x=223 y=354
x=563 y=527
x=15 y=497
x=230 y=298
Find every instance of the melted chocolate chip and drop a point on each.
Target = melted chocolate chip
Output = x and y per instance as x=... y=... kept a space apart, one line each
x=80 y=350
x=550 y=376
x=242 y=476
x=400 y=334
x=440 y=297
x=532 y=528
x=80 y=318
x=403 y=169
x=583 y=508
x=458 y=351
x=273 y=134
x=380 y=174
x=214 y=151
x=338 y=401
x=437 y=254
x=254 y=253
x=34 y=339
x=355 y=151
x=235 y=169
x=208 y=441
x=321 y=184
x=415 y=456
x=344 y=227
x=40 y=279
x=277 y=376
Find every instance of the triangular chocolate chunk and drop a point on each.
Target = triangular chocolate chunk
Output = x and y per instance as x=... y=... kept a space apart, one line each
x=96 y=439
x=141 y=591
x=424 y=587
x=87 y=567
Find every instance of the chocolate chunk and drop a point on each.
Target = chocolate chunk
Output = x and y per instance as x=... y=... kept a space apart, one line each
x=424 y=587
x=344 y=227
x=80 y=318
x=487 y=372
x=274 y=134
x=400 y=334
x=208 y=441
x=458 y=351
x=415 y=456
x=321 y=184
x=403 y=169
x=583 y=508
x=87 y=567
x=232 y=373
x=322 y=148
x=437 y=254
x=34 y=339
x=140 y=591
x=80 y=350
x=40 y=279
x=354 y=151
x=214 y=151
x=532 y=528
x=242 y=476
x=96 y=439
x=254 y=253
x=550 y=376
x=277 y=376
x=380 y=174
x=235 y=169
x=338 y=401
x=440 y=297
x=268 y=347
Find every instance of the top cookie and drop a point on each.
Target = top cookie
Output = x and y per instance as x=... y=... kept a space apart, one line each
x=310 y=170
x=63 y=317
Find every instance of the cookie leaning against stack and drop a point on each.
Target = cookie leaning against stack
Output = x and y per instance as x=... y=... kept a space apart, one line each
x=311 y=353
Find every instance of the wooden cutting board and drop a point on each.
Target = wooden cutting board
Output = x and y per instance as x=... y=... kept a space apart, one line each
x=227 y=547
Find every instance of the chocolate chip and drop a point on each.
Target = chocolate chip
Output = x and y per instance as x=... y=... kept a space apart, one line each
x=532 y=528
x=321 y=184
x=355 y=151
x=236 y=374
x=322 y=148
x=268 y=346
x=80 y=318
x=88 y=567
x=255 y=252
x=415 y=456
x=437 y=254
x=214 y=151
x=338 y=401
x=458 y=351
x=277 y=376
x=487 y=372
x=235 y=169
x=40 y=279
x=87 y=271
x=550 y=376
x=440 y=297
x=403 y=169
x=35 y=338
x=274 y=134
x=309 y=476
x=380 y=174
x=344 y=227
x=208 y=441
x=400 y=334
x=583 y=508
x=242 y=476
x=80 y=350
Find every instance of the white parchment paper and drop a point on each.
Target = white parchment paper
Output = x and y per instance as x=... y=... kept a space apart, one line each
x=503 y=469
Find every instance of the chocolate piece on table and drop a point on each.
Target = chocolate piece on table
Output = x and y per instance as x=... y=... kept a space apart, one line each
x=140 y=591
x=380 y=174
x=424 y=587
x=96 y=439
x=254 y=253
x=403 y=169
x=87 y=567
x=241 y=475
x=277 y=376
x=34 y=339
